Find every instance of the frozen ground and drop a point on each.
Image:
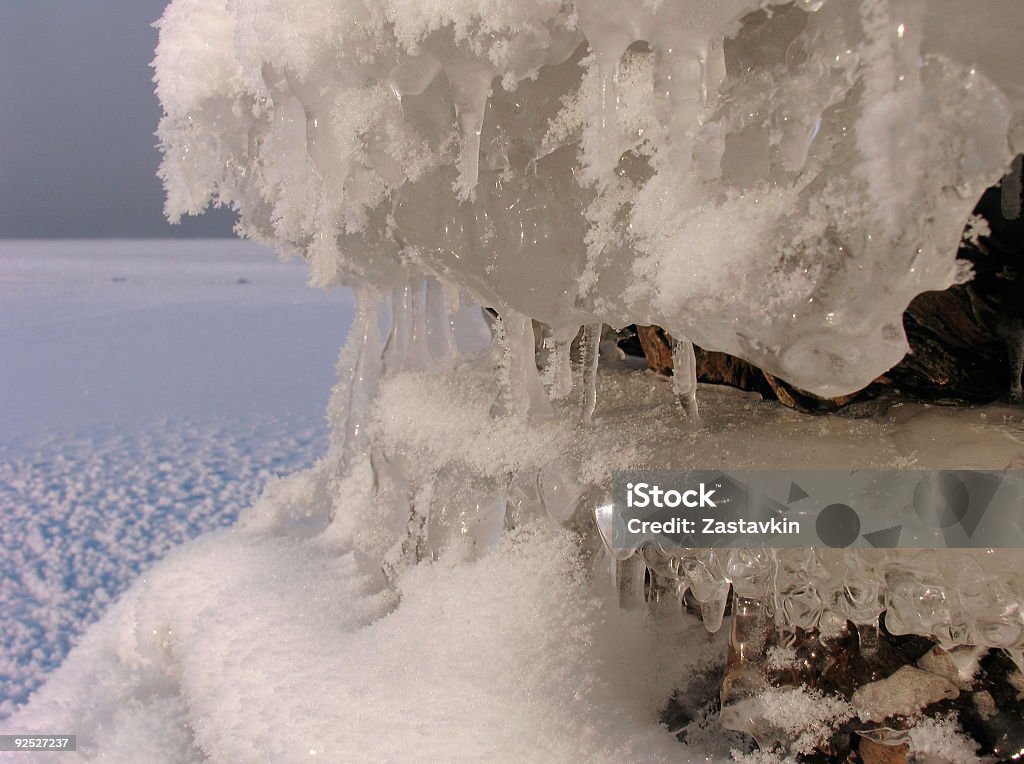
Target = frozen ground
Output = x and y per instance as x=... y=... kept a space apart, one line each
x=148 y=390
x=266 y=642
x=278 y=638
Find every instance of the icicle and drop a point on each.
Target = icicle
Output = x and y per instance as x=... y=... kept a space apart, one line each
x=1010 y=197
x=461 y=506
x=520 y=391
x=605 y=518
x=607 y=118
x=359 y=365
x=751 y=634
x=400 y=527
x=419 y=355
x=440 y=333
x=680 y=90
x=662 y=586
x=421 y=331
x=610 y=30
x=684 y=377
x=471 y=83
x=708 y=586
x=397 y=346
x=628 y=577
x=524 y=502
x=712 y=610
x=590 y=355
x=559 y=493
x=557 y=374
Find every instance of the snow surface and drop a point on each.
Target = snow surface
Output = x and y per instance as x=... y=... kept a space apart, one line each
x=268 y=648
x=280 y=639
x=149 y=390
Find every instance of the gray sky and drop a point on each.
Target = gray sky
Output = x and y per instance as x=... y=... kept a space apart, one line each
x=77 y=116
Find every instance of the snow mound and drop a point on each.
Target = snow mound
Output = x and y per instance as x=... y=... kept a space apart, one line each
x=249 y=646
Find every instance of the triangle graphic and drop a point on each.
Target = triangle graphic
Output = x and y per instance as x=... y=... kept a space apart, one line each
x=887 y=538
x=982 y=488
x=796 y=493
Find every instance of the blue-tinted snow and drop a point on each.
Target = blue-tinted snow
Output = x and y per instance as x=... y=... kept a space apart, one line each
x=148 y=389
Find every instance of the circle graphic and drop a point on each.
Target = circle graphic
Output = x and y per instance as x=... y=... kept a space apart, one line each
x=838 y=525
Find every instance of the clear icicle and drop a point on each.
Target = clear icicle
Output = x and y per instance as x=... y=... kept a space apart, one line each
x=680 y=92
x=558 y=366
x=393 y=498
x=684 y=377
x=462 y=507
x=628 y=578
x=519 y=387
x=749 y=639
x=712 y=610
x=397 y=347
x=609 y=38
x=359 y=367
x=590 y=355
x=419 y=352
x=608 y=116
x=440 y=334
x=707 y=585
x=471 y=84
x=559 y=492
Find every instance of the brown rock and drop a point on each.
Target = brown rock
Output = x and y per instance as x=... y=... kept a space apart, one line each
x=877 y=753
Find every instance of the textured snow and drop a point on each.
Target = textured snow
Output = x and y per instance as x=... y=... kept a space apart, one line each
x=282 y=634
x=149 y=390
x=282 y=649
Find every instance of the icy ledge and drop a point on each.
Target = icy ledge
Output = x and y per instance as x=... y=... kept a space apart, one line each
x=772 y=180
x=283 y=636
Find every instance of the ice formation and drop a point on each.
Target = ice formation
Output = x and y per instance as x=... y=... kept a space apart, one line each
x=776 y=181
x=772 y=180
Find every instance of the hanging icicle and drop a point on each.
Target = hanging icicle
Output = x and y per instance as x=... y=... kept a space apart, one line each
x=440 y=334
x=519 y=387
x=684 y=377
x=359 y=363
x=397 y=346
x=590 y=352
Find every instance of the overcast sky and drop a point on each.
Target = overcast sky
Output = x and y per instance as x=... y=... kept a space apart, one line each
x=77 y=116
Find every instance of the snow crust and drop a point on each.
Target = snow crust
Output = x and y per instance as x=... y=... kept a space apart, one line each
x=250 y=646
x=772 y=180
x=149 y=390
